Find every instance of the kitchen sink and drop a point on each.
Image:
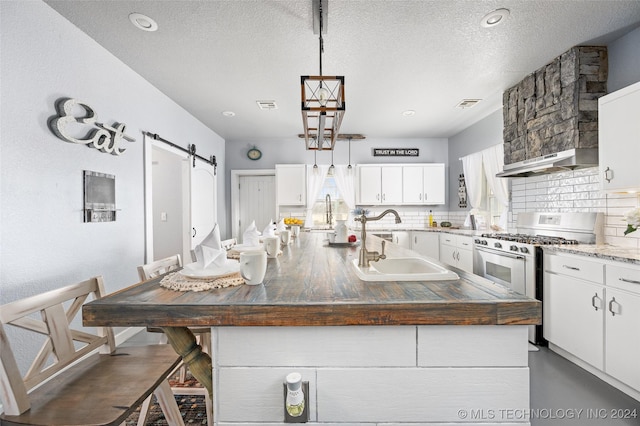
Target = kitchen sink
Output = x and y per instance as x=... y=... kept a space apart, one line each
x=404 y=269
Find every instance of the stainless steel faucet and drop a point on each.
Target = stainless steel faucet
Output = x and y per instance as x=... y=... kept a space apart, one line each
x=371 y=256
x=327 y=208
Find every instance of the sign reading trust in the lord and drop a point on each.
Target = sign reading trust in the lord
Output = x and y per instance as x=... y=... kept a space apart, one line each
x=396 y=152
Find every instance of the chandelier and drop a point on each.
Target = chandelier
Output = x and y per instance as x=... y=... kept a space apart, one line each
x=322 y=101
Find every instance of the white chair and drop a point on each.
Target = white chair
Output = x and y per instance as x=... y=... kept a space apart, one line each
x=203 y=334
x=69 y=381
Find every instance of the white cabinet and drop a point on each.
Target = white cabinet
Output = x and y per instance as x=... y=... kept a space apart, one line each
x=426 y=243
x=573 y=314
x=402 y=238
x=619 y=139
x=457 y=250
x=622 y=323
x=592 y=311
x=423 y=184
x=291 y=184
x=379 y=184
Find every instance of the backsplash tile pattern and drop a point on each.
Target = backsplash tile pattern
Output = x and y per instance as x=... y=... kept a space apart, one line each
x=575 y=191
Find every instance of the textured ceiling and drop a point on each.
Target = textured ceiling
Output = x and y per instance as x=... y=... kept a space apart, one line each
x=214 y=56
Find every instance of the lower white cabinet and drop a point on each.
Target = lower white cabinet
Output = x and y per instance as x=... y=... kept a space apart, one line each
x=573 y=316
x=426 y=243
x=457 y=250
x=402 y=238
x=592 y=311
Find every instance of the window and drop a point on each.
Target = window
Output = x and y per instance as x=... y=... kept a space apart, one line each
x=329 y=206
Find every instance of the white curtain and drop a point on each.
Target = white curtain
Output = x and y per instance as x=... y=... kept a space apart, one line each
x=493 y=161
x=315 y=180
x=474 y=179
x=346 y=183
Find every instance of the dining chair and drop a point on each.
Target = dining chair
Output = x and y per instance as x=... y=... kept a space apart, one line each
x=203 y=334
x=77 y=375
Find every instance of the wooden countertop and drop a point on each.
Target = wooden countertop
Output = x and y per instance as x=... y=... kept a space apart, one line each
x=311 y=284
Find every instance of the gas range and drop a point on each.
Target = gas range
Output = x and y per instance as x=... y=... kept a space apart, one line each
x=514 y=260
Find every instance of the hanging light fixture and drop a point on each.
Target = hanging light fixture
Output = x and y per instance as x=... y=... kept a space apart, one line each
x=332 y=168
x=322 y=98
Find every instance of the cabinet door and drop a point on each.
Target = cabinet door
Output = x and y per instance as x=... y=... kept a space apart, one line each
x=291 y=184
x=433 y=184
x=412 y=190
x=622 y=343
x=619 y=139
x=369 y=184
x=402 y=238
x=448 y=254
x=574 y=317
x=391 y=184
x=465 y=260
x=426 y=244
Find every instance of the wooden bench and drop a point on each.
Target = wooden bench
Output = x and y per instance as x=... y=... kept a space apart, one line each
x=78 y=378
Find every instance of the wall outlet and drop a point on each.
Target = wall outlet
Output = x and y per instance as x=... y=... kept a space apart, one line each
x=163 y=216
x=304 y=417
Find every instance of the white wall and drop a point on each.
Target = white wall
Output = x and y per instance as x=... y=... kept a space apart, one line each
x=44 y=242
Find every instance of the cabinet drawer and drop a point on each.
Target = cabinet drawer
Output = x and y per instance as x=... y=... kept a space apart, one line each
x=623 y=278
x=464 y=242
x=582 y=268
x=449 y=239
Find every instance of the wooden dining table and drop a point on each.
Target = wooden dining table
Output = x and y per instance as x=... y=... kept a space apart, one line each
x=309 y=284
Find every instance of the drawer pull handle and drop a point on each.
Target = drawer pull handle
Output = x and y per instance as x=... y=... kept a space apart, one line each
x=629 y=281
x=596 y=302
x=573 y=268
x=618 y=307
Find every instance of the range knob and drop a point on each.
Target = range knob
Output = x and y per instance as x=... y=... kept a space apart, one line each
x=483 y=242
x=524 y=250
x=497 y=245
x=513 y=248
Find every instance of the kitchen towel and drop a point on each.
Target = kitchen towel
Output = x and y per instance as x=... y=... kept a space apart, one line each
x=251 y=236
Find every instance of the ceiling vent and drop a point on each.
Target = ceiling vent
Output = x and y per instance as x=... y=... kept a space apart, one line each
x=467 y=103
x=267 y=105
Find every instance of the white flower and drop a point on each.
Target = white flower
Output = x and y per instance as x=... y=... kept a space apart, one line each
x=633 y=220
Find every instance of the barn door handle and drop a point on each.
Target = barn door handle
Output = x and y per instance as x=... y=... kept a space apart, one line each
x=194 y=232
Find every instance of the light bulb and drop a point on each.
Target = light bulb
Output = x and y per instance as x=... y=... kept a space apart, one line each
x=323 y=96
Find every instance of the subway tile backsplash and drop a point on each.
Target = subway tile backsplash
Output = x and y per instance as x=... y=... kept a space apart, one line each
x=575 y=191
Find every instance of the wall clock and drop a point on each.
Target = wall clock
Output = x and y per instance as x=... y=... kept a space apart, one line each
x=254 y=154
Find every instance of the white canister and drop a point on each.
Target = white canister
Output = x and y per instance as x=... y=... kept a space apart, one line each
x=341 y=231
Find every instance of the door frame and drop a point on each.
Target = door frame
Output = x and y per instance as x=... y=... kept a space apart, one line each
x=235 y=193
x=149 y=144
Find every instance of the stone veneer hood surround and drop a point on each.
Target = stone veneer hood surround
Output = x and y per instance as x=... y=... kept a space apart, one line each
x=555 y=108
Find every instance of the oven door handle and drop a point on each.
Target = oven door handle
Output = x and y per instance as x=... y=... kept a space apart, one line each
x=500 y=253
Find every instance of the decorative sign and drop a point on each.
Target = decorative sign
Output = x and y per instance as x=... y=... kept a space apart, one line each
x=396 y=152
x=100 y=136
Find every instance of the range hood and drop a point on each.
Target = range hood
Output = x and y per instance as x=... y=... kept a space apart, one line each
x=570 y=159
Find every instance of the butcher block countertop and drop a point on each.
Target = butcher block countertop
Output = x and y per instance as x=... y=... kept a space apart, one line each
x=312 y=284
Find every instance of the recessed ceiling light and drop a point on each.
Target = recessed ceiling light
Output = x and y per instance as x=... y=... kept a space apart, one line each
x=408 y=113
x=143 y=22
x=494 y=18
x=228 y=113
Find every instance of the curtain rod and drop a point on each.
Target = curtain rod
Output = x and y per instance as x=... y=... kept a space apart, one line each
x=191 y=150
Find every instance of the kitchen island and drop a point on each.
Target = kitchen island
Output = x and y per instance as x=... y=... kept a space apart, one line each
x=393 y=352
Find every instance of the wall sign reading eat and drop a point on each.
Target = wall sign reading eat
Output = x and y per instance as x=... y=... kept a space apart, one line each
x=78 y=123
x=396 y=152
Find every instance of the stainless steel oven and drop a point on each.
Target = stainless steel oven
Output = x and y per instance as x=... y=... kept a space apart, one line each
x=503 y=268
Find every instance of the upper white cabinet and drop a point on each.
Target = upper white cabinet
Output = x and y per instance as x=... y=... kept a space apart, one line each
x=423 y=184
x=619 y=139
x=401 y=184
x=379 y=184
x=291 y=184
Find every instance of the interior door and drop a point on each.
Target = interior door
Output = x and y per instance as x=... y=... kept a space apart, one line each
x=203 y=201
x=257 y=201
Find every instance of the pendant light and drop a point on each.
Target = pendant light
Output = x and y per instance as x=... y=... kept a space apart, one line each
x=322 y=97
x=349 y=166
x=332 y=168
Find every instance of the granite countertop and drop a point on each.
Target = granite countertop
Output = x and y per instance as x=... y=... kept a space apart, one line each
x=312 y=284
x=600 y=251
